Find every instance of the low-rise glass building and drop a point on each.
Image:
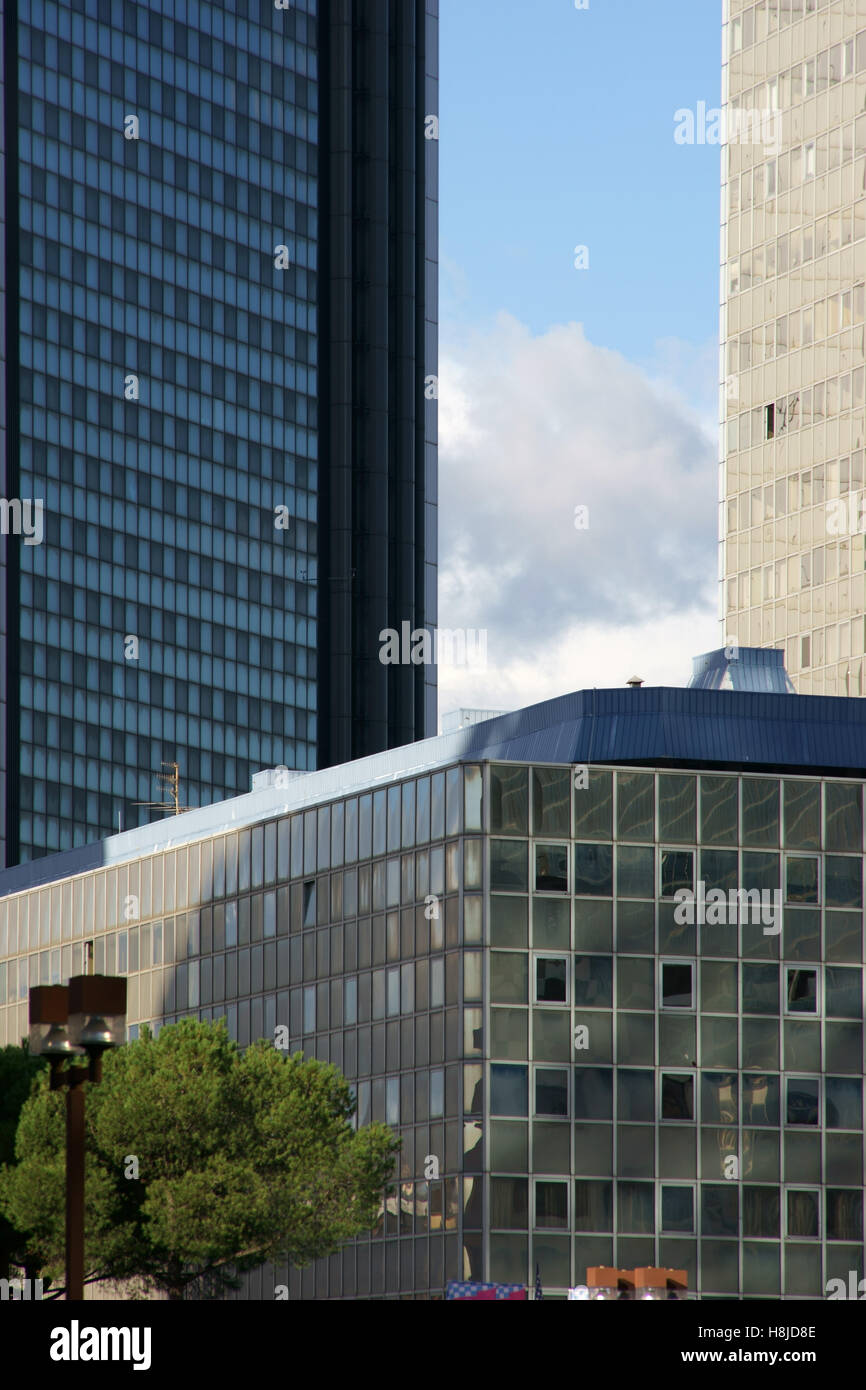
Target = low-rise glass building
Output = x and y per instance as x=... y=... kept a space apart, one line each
x=528 y=946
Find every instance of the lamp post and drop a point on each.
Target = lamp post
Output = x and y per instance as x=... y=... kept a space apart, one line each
x=80 y=1019
x=646 y=1284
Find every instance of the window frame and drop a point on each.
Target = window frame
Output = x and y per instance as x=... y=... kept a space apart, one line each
x=566 y=960
x=565 y=846
x=798 y=968
x=662 y=962
x=676 y=1075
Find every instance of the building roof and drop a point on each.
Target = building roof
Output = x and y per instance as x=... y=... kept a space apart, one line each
x=742 y=668
x=655 y=726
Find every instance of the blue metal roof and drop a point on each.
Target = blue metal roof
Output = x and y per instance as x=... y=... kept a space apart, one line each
x=650 y=726
x=661 y=725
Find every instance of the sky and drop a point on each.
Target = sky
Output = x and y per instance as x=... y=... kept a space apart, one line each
x=578 y=373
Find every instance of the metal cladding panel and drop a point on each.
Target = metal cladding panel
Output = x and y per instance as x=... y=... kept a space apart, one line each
x=52 y=867
x=742 y=669
x=662 y=725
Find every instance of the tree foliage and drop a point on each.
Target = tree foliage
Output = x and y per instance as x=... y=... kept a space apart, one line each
x=240 y=1158
x=18 y=1067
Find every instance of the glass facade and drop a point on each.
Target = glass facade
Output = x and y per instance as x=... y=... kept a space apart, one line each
x=494 y=956
x=167 y=389
x=792 y=499
x=165 y=220
x=665 y=1092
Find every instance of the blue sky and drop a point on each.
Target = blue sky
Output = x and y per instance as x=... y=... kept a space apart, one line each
x=564 y=388
x=557 y=130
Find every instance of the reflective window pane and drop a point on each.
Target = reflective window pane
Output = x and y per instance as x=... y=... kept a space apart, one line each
x=760 y=989
x=677 y=985
x=719 y=810
x=636 y=1208
x=509 y=799
x=677 y=808
x=844 y=1102
x=678 y=1209
x=551 y=924
x=509 y=1090
x=802 y=1214
x=593 y=806
x=761 y=1212
x=843 y=881
x=802 y=1102
x=844 y=1214
x=550 y=980
x=720 y=869
x=843 y=991
x=760 y=1099
x=678 y=1097
x=593 y=1093
x=720 y=1209
x=635 y=871
x=551 y=1205
x=719 y=986
x=802 y=991
x=677 y=871
x=509 y=1199
x=551 y=1091
x=593 y=981
x=801 y=882
x=760 y=811
x=635 y=806
x=593 y=870
x=551 y=801
x=551 y=868
x=843 y=816
x=802 y=810
x=593 y=1205
x=635 y=982
x=719 y=1098
x=508 y=865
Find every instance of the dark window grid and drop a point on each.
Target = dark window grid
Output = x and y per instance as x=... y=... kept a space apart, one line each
x=245 y=40
x=243 y=229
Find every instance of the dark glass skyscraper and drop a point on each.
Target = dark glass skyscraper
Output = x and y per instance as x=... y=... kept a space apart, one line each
x=219 y=316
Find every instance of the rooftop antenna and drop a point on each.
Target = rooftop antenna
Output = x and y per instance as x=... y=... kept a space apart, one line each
x=170 y=782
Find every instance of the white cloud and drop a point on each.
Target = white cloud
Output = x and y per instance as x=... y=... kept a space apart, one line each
x=530 y=428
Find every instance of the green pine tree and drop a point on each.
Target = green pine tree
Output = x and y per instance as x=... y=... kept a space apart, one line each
x=202 y=1162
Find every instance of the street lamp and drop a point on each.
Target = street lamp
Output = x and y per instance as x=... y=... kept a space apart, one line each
x=607 y=1285
x=97 y=1016
x=81 y=1019
x=646 y=1284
